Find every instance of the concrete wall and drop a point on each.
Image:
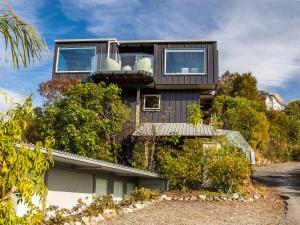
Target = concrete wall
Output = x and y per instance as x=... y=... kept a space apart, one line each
x=66 y=187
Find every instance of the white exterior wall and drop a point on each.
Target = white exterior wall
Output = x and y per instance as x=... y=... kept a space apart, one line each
x=66 y=187
x=273 y=104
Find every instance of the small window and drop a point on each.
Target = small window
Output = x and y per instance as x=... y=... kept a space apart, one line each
x=185 y=61
x=151 y=102
x=75 y=59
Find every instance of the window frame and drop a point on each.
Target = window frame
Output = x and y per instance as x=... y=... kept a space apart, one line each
x=151 y=109
x=185 y=50
x=77 y=71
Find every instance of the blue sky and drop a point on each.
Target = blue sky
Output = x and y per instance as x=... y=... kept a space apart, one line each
x=258 y=36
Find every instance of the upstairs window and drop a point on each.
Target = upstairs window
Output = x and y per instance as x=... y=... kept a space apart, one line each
x=151 y=102
x=76 y=59
x=185 y=61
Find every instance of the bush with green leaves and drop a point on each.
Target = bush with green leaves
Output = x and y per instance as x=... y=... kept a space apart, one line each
x=22 y=167
x=84 y=121
x=184 y=166
x=227 y=169
x=144 y=194
x=192 y=166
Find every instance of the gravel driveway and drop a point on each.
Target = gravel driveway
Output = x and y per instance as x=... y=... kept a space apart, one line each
x=285 y=179
x=268 y=210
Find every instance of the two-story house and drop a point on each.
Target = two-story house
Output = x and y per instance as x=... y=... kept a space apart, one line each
x=159 y=78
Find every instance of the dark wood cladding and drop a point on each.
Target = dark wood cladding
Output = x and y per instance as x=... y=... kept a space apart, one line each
x=101 y=48
x=210 y=77
x=173 y=106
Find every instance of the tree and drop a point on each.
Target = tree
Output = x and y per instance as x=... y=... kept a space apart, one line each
x=56 y=88
x=245 y=116
x=225 y=83
x=236 y=84
x=194 y=114
x=278 y=149
x=245 y=85
x=293 y=127
x=20 y=38
x=22 y=167
x=85 y=121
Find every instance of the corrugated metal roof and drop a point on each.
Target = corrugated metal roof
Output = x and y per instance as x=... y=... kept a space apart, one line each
x=169 y=129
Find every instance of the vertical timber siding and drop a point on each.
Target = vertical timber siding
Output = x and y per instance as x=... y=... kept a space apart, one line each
x=210 y=77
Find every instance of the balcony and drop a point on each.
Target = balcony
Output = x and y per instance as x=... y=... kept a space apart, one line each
x=123 y=68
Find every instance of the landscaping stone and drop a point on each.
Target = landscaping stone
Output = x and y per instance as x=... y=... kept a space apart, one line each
x=163 y=197
x=256 y=196
x=100 y=217
x=202 y=197
x=85 y=220
x=77 y=223
x=138 y=206
x=94 y=220
x=235 y=196
x=127 y=210
x=109 y=213
x=194 y=198
x=186 y=198
x=250 y=199
x=66 y=223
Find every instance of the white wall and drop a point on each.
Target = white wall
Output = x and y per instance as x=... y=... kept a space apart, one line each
x=66 y=187
x=273 y=104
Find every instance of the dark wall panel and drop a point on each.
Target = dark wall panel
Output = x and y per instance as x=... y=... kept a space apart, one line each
x=211 y=65
x=173 y=105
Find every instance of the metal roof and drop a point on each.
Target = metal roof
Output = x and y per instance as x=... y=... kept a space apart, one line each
x=76 y=160
x=86 y=40
x=162 y=41
x=169 y=129
x=134 y=41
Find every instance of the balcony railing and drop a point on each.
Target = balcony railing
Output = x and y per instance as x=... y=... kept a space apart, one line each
x=125 y=62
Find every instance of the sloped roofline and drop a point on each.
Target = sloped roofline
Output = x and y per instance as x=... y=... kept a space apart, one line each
x=56 y=154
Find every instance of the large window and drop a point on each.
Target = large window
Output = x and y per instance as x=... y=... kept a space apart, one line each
x=101 y=186
x=185 y=61
x=151 y=102
x=118 y=190
x=75 y=59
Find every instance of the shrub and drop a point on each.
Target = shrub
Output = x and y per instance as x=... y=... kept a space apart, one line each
x=226 y=171
x=184 y=168
x=144 y=194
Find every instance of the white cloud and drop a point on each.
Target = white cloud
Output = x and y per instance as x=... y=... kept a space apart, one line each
x=261 y=36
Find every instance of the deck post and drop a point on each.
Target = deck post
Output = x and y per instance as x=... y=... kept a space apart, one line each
x=138 y=107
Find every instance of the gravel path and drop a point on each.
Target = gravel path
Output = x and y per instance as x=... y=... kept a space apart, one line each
x=268 y=210
x=285 y=179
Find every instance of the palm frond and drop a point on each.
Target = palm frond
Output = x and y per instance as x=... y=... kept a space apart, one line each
x=20 y=38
